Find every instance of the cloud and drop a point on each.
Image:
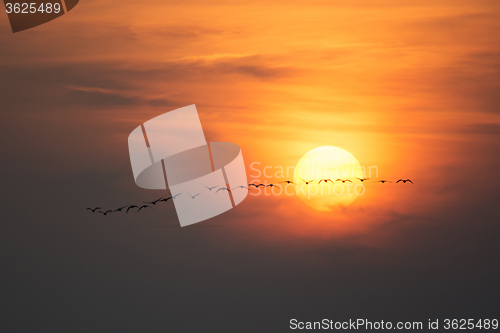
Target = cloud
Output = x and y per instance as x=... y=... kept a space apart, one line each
x=98 y=96
x=256 y=71
x=488 y=129
x=89 y=96
x=109 y=84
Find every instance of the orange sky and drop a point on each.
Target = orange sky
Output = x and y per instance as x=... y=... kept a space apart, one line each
x=409 y=88
x=412 y=87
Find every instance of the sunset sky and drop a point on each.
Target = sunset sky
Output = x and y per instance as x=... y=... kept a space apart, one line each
x=411 y=87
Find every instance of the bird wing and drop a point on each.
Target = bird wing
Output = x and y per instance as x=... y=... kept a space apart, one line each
x=409 y=181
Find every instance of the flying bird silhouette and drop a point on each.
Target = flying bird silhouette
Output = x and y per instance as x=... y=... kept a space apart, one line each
x=343 y=180
x=257 y=185
x=241 y=186
x=307 y=183
x=362 y=179
x=404 y=181
x=120 y=209
x=130 y=207
x=153 y=202
x=106 y=212
x=166 y=199
x=383 y=181
x=192 y=197
x=325 y=180
x=271 y=185
x=288 y=182
x=175 y=196
x=211 y=188
x=93 y=210
x=223 y=189
x=144 y=206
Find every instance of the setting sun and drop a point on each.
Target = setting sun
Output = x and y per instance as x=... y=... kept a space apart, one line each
x=326 y=178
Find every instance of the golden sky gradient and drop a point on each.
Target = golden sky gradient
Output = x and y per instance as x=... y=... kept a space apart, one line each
x=411 y=88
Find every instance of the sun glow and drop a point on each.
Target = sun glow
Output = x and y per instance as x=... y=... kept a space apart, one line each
x=326 y=178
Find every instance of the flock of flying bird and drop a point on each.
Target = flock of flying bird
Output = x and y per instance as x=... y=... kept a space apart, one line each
x=149 y=204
